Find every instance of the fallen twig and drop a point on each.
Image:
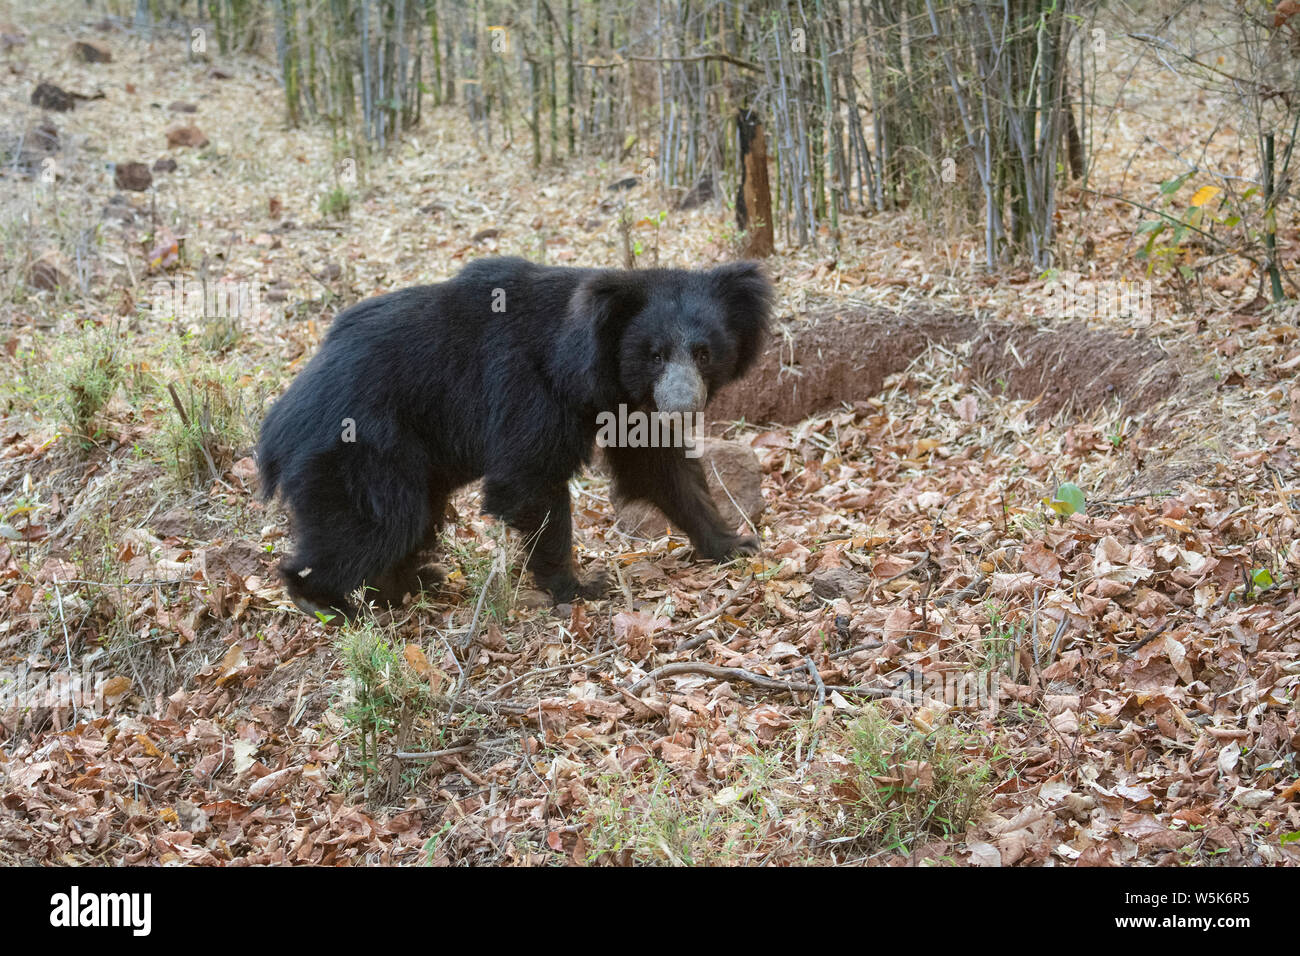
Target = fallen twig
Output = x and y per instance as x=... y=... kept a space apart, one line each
x=551 y=670
x=693 y=642
x=433 y=754
x=1151 y=636
x=906 y=571
x=749 y=677
x=821 y=685
x=504 y=708
x=716 y=612
x=847 y=652
x=497 y=564
x=973 y=589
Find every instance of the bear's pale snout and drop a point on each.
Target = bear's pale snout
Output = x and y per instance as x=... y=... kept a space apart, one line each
x=680 y=388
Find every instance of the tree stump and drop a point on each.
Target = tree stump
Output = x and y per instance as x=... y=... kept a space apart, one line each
x=754 y=198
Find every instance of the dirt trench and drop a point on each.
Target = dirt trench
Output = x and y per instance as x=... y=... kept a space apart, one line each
x=845 y=356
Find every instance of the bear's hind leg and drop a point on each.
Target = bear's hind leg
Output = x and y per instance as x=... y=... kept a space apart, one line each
x=412 y=574
x=429 y=573
x=353 y=528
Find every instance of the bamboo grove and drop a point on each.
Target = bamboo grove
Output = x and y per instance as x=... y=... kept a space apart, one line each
x=968 y=108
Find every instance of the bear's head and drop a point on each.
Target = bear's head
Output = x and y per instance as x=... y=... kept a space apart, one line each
x=666 y=339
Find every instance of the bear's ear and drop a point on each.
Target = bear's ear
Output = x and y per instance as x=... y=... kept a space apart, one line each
x=746 y=297
x=599 y=312
x=608 y=300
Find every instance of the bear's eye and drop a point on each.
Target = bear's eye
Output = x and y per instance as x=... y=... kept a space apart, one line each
x=657 y=357
x=701 y=353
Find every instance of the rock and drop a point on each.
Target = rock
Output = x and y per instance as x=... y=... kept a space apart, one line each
x=700 y=193
x=50 y=97
x=132 y=176
x=45 y=273
x=726 y=463
x=835 y=583
x=484 y=234
x=88 y=51
x=631 y=182
x=186 y=136
x=164 y=165
x=180 y=106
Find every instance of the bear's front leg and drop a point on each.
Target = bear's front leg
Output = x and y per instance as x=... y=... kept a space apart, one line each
x=543 y=518
x=675 y=485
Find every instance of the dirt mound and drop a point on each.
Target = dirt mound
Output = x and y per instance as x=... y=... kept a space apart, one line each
x=1073 y=367
x=818 y=362
x=833 y=357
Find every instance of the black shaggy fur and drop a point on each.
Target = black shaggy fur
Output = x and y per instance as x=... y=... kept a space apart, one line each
x=497 y=373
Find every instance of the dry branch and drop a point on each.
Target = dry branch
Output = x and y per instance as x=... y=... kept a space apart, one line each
x=749 y=677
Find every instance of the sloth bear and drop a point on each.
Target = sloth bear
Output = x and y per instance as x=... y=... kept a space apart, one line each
x=501 y=373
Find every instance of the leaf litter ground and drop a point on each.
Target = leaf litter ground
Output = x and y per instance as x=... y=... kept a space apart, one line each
x=1136 y=674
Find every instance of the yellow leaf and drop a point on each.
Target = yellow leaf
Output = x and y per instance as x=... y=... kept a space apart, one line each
x=1205 y=194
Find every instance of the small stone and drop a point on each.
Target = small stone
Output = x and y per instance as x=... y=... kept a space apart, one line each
x=89 y=51
x=186 y=136
x=50 y=97
x=45 y=274
x=132 y=176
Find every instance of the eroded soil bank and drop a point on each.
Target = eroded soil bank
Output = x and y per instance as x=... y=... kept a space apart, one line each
x=845 y=356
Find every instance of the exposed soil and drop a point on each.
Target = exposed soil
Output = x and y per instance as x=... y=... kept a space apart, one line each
x=1074 y=368
x=840 y=356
